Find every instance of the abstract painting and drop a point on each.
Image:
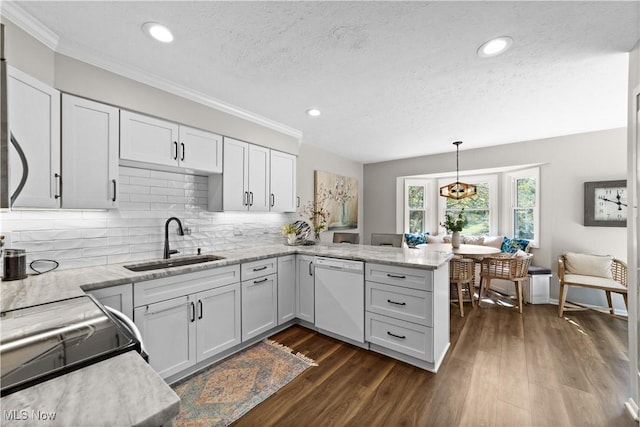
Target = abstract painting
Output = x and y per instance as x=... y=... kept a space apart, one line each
x=339 y=196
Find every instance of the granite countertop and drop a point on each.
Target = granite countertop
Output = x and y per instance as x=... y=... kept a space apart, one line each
x=124 y=390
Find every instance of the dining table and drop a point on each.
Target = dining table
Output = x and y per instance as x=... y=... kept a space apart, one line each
x=472 y=251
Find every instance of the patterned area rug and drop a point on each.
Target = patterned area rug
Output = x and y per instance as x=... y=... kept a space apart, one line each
x=223 y=393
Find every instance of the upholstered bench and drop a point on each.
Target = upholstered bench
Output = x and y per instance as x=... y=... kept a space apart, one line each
x=591 y=271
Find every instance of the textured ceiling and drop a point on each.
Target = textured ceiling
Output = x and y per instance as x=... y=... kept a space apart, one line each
x=392 y=79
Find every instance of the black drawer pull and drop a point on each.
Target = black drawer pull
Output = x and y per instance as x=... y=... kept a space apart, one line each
x=260 y=281
x=396 y=276
x=193 y=311
x=396 y=303
x=264 y=267
x=402 y=337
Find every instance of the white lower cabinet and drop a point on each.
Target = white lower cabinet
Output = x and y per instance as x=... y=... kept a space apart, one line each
x=407 y=313
x=286 y=288
x=259 y=305
x=305 y=290
x=201 y=321
x=119 y=297
x=169 y=334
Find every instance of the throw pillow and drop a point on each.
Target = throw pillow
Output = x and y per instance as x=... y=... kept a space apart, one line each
x=472 y=240
x=493 y=241
x=513 y=245
x=435 y=239
x=588 y=265
x=414 y=239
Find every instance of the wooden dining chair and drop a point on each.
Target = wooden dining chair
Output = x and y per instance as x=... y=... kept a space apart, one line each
x=514 y=269
x=461 y=272
x=353 y=238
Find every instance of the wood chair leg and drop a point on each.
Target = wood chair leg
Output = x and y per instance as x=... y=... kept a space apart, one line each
x=460 y=300
x=626 y=302
x=519 y=295
x=485 y=285
x=609 y=301
x=562 y=298
x=471 y=290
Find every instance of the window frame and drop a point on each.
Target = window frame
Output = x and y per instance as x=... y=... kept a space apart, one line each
x=494 y=199
x=511 y=178
x=428 y=192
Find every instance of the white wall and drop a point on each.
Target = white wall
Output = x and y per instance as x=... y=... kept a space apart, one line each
x=311 y=159
x=568 y=162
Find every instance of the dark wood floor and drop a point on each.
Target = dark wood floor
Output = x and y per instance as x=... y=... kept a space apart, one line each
x=503 y=369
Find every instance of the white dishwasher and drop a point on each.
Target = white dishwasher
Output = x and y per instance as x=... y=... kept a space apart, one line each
x=339 y=292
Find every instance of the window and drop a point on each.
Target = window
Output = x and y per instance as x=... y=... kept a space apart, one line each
x=416 y=195
x=524 y=218
x=476 y=210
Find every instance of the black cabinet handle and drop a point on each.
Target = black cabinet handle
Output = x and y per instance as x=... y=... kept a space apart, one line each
x=273 y=200
x=396 y=303
x=310 y=270
x=250 y=198
x=396 y=276
x=113 y=181
x=402 y=337
x=297 y=201
x=264 y=267
x=200 y=308
x=193 y=311
x=245 y=199
x=261 y=280
x=175 y=156
x=58 y=178
x=182 y=145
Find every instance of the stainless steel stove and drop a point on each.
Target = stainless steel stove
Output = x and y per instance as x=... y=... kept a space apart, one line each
x=44 y=341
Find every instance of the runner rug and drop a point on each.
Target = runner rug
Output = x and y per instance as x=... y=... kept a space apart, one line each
x=223 y=393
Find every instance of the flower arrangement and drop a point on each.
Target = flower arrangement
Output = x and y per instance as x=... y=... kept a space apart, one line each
x=341 y=191
x=288 y=229
x=317 y=214
x=454 y=222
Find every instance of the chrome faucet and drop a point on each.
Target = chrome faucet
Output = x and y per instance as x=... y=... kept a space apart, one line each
x=167 y=252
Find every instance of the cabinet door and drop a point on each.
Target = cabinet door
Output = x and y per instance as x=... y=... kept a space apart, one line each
x=200 y=150
x=147 y=139
x=90 y=153
x=283 y=182
x=119 y=297
x=305 y=295
x=259 y=193
x=259 y=305
x=168 y=331
x=286 y=288
x=218 y=325
x=34 y=122
x=235 y=175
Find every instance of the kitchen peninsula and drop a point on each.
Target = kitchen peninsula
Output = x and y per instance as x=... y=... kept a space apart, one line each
x=144 y=396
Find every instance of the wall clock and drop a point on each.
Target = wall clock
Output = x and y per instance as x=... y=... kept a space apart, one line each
x=605 y=203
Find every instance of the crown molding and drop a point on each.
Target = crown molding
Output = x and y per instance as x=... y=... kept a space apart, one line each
x=29 y=24
x=40 y=32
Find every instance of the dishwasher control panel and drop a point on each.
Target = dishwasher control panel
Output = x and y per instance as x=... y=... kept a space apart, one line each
x=339 y=263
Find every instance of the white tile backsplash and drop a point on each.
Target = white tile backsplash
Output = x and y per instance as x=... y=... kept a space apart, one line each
x=135 y=231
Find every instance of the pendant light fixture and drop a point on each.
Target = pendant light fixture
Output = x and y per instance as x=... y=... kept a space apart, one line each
x=458 y=190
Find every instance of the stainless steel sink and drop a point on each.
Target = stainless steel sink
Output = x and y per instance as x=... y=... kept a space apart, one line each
x=175 y=262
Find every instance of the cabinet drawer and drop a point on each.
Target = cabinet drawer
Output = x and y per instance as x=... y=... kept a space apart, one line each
x=398 y=335
x=402 y=303
x=414 y=278
x=263 y=267
x=170 y=287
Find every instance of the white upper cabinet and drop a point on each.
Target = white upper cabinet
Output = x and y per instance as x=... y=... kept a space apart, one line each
x=34 y=122
x=246 y=176
x=160 y=142
x=283 y=182
x=89 y=153
x=200 y=150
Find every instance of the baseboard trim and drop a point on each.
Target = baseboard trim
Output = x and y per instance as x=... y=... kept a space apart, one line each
x=632 y=408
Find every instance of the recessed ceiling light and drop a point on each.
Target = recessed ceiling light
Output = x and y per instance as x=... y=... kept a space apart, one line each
x=313 y=112
x=158 y=32
x=495 y=47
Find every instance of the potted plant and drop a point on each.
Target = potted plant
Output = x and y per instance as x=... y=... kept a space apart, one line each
x=290 y=232
x=454 y=223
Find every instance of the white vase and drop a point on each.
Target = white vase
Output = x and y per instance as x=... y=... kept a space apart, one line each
x=291 y=238
x=456 y=239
